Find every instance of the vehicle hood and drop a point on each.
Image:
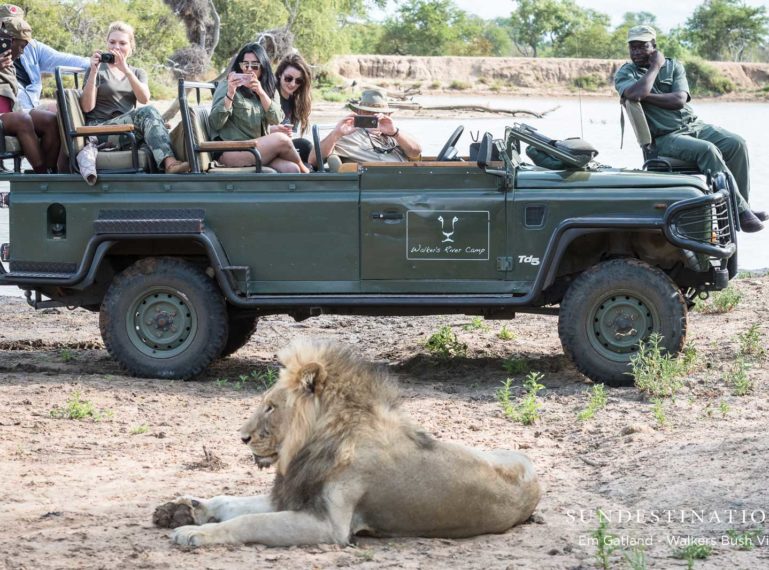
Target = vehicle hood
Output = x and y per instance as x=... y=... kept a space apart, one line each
x=606 y=178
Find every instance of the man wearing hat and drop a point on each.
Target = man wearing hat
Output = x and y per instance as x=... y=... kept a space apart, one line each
x=385 y=143
x=42 y=155
x=38 y=58
x=660 y=84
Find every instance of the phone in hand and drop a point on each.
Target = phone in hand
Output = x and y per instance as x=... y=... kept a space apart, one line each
x=5 y=44
x=107 y=57
x=244 y=78
x=365 y=122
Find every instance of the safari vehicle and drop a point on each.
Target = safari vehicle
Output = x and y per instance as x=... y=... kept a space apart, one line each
x=181 y=267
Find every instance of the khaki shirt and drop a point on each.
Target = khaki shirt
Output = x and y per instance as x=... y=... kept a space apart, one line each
x=114 y=97
x=670 y=79
x=245 y=119
x=357 y=147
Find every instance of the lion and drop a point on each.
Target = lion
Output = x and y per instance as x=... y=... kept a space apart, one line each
x=350 y=462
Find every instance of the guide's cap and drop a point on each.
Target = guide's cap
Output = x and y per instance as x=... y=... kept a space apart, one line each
x=641 y=34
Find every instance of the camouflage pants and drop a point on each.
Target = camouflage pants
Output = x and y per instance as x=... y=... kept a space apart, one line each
x=714 y=149
x=149 y=128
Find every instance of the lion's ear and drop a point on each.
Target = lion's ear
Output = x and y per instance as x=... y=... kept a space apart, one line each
x=312 y=377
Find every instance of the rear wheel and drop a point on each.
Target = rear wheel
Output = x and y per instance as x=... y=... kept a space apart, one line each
x=164 y=318
x=612 y=307
x=242 y=327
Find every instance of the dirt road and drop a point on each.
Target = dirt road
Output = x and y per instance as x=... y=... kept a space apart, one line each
x=80 y=493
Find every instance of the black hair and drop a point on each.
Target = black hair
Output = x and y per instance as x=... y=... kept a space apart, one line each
x=267 y=77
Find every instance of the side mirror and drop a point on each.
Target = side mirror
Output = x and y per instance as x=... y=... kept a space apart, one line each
x=484 y=152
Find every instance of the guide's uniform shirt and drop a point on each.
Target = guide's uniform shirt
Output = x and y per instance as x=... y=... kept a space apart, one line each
x=678 y=133
x=671 y=78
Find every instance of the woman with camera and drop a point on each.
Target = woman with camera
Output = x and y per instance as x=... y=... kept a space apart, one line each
x=295 y=88
x=113 y=88
x=243 y=109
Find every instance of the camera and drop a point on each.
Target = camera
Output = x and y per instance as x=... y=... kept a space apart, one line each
x=107 y=57
x=365 y=122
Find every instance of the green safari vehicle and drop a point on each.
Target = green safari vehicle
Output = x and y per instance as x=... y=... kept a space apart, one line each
x=180 y=267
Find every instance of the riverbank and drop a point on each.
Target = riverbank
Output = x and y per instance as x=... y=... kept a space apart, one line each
x=519 y=76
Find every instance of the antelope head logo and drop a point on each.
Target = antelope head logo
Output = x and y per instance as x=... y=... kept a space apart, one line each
x=448 y=235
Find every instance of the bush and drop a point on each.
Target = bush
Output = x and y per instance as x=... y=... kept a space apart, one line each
x=704 y=79
x=592 y=82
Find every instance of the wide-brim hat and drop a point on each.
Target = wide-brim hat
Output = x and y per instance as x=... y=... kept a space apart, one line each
x=17 y=28
x=641 y=34
x=373 y=100
x=10 y=11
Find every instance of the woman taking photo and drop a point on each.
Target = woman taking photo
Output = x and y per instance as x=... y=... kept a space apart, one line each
x=295 y=88
x=112 y=90
x=244 y=107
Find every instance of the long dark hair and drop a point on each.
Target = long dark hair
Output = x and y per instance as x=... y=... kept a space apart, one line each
x=267 y=77
x=302 y=102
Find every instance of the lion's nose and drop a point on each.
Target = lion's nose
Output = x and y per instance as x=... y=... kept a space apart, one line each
x=245 y=438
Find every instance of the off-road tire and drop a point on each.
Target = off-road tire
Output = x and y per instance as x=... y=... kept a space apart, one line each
x=242 y=327
x=610 y=308
x=163 y=317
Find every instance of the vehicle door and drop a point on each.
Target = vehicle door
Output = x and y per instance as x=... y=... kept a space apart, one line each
x=425 y=226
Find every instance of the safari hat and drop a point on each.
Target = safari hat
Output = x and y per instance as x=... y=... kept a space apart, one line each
x=10 y=11
x=641 y=34
x=374 y=100
x=17 y=28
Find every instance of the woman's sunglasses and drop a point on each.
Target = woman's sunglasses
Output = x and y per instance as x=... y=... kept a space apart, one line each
x=250 y=65
x=292 y=79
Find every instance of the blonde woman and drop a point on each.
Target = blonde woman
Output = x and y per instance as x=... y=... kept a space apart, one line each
x=113 y=88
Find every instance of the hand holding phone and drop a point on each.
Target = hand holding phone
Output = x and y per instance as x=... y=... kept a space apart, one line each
x=244 y=78
x=365 y=122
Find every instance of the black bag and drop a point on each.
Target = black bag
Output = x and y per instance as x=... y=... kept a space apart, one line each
x=582 y=151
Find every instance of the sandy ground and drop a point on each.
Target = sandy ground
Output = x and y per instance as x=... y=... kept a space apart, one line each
x=80 y=493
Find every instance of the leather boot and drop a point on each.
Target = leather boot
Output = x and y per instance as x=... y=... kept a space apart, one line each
x=749 y=223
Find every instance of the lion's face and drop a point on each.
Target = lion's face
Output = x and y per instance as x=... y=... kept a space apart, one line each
x=265 y=429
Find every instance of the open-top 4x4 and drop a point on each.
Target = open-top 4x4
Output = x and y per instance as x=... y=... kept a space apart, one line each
x=181 y=266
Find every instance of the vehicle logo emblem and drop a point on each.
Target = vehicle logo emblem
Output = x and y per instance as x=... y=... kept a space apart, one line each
x=453 y=229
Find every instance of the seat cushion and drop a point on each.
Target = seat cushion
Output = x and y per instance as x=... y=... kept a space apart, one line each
x=121 y=160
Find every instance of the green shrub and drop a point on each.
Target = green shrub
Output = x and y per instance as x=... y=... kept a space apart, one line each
x=591 y=82
x=597 y=402
x=656 y=372
x=704 y=79
x=458 y=85
x=445 y=344
x=78 y=409
x=527 y=410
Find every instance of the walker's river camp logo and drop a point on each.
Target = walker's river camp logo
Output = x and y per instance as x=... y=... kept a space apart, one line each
x=447 y=235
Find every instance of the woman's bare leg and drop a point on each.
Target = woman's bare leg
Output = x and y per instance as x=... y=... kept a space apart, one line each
x=20 y=125
x=278 y=145
x=283 y=165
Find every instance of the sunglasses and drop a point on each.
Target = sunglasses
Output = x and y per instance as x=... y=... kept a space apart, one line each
x=292 y=79
x=250 y=65
x=381 y=149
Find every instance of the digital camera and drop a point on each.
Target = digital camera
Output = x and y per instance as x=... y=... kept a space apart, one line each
x=107 y=57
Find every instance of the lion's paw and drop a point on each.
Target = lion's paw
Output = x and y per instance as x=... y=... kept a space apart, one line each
x=183 y=511
x=194 y=536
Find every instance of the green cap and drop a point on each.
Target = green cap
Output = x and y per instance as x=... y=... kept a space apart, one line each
x=10 y=11
x=641 y=34
x=17 y=28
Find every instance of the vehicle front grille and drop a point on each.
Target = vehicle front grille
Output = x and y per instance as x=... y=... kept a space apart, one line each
x=709 y=224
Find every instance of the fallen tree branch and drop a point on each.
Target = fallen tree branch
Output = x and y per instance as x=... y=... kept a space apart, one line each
x=471 y=107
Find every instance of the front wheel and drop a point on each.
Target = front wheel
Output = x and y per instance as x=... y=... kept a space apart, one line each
x=609 y=309
x=164 y=318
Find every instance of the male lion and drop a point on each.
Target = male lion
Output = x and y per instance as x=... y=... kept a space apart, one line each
x=349 y=461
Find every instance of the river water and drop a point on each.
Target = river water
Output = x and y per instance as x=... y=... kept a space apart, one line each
x=596 y=120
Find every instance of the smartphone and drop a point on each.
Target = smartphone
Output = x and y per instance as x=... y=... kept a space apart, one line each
x=244 y=78
x=5 y=44
x=365 y=122
x=107 y=57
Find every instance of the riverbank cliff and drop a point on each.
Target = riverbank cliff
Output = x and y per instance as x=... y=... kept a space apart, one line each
x=520 y=75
